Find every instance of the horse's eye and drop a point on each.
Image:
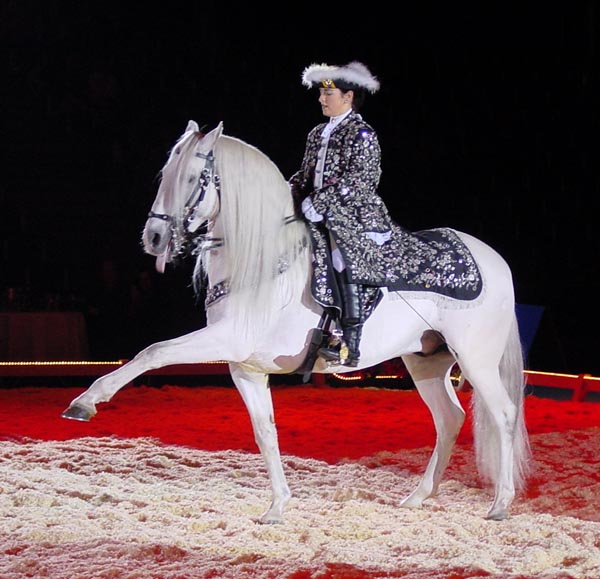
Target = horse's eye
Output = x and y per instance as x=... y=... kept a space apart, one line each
x=191 y=179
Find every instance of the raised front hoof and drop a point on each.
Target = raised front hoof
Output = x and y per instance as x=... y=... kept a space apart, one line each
x=78 y=412
x=499 y=515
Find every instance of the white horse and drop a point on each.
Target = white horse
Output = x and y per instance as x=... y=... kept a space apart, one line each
x=256 y=261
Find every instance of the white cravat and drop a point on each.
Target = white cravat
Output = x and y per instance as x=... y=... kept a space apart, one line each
x=325 y=133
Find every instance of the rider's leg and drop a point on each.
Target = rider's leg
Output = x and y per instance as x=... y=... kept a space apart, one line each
x=352 y=319
x=352 y=323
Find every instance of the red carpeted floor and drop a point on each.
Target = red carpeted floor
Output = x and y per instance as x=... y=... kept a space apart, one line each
x=326 y=423
x=332 y=424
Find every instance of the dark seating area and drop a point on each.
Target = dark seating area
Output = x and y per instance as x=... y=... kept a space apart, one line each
x=487 y=132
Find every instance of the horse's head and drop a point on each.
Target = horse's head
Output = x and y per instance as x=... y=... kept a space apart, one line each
x=188 y=195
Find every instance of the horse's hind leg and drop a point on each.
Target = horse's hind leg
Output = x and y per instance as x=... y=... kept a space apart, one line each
x=255 y=392
x=430 y=377
x=495 y=418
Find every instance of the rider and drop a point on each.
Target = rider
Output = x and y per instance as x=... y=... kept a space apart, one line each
x=336 y=192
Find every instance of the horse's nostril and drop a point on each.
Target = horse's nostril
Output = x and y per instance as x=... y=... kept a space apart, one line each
x=156 y=240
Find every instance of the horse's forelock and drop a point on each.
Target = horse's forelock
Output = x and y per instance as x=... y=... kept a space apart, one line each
x=177 y=162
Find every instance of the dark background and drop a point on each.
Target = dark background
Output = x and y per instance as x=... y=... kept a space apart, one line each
x=486 y=118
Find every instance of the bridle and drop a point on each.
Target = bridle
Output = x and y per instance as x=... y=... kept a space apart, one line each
x=186 y=240
x=207 y=176
x=182 y=239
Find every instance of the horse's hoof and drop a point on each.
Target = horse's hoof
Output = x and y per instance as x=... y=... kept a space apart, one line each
x=411 y=503
x=267 y=520
x=500 y=515
x=78 y=412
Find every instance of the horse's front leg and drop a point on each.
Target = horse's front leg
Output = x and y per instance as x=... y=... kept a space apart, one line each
x=254 y=389
x=206 y=345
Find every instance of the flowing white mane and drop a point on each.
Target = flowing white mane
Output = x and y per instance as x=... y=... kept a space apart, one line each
x=259 y=241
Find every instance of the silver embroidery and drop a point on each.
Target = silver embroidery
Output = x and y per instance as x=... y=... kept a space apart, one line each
x=434 y=260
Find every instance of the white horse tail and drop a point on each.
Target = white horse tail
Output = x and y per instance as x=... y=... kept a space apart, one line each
x=485 y=431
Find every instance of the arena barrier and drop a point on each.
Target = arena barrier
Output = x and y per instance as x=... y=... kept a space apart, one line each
x=579 y=384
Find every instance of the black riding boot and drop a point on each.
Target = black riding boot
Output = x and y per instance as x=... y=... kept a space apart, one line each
x=347 y=353
x=352 y=335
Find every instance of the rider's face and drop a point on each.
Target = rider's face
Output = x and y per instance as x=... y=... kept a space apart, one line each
x=334 y=102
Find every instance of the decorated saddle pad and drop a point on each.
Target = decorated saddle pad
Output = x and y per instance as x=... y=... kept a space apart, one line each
x=433 y=260
x=437 y=260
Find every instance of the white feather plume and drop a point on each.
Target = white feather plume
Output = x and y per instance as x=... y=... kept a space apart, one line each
x=355 y=73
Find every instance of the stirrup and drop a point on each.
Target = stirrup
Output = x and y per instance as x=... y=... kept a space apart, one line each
x=350 y=362
x=329 y=354
x=346 y=359
x=330 y=350
x=338 y=355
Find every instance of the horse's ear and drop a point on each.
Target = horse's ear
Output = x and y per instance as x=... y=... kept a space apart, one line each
x=217 y=131
x=192 y=126
x=212 y=137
